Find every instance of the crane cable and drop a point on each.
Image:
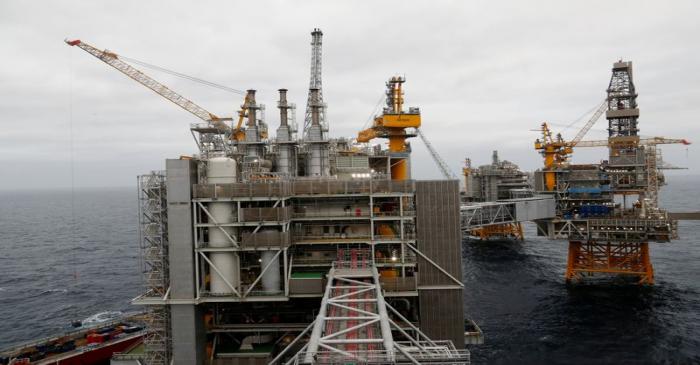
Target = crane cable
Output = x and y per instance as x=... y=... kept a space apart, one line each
x=184 y=76
x=71 y=147
x=374 y=111
x=581 y=117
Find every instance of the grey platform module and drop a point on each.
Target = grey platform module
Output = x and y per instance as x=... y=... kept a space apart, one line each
x=302 y=250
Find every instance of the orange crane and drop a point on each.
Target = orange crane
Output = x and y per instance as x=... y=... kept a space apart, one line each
x=556 y=150
x=392 y=125
x=238 y=133
x=113 y=60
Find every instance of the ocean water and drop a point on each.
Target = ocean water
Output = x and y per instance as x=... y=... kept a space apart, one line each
x=56 y=268
x=53 y=271
x=516 y=293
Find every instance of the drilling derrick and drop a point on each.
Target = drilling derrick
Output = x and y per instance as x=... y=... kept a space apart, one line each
x=627 y=161
x=609 y=211
x=315 y=83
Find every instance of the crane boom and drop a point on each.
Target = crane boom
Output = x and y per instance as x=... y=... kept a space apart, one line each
x=113 y=60
x=652 y=141
x=581 y=133
x=442 y=165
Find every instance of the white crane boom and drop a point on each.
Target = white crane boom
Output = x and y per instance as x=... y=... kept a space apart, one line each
x=442 y=165
x=652 y=141
x=113 y=60
x=601 y=108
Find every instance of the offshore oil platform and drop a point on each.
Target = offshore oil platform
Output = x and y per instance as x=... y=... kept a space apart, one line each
x=609 y=211
x=500 y=181
x=308 y=250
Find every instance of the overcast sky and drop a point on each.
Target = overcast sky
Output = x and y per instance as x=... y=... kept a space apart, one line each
x=483 y=73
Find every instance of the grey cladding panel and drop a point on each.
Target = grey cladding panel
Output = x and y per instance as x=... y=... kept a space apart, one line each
x=188 y=335
x=180 y=178
x=438 y=231
x=440 y=239
x=442 y=315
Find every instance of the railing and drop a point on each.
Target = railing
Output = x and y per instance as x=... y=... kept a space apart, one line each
x=265 y=239
x=350 y=237
x=285 y=188
x=320 y=214
x=429 y=354
x=657 y=230
x=120 y=356
x=398 y=284
x=394 y=237
x=409 y=258
x=216 y=191
x=266 y=214
x=395 y=213
x=331 y=237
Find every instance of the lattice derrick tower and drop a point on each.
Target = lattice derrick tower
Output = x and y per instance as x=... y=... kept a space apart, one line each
x=315 y=82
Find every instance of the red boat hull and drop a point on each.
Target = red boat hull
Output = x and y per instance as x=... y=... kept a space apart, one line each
x=93 y=356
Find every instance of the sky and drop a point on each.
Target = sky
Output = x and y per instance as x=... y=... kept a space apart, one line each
x=485 y=74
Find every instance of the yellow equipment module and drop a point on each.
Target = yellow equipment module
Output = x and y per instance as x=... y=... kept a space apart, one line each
x=392 y=125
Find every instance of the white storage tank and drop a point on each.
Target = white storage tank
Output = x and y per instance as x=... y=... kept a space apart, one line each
x=222 y=170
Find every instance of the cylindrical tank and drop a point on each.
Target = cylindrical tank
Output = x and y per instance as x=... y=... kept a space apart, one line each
x=222 y=170
x=271 y=279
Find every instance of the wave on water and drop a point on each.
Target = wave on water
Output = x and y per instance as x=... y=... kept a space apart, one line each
x=102 y=317
x=54 y=291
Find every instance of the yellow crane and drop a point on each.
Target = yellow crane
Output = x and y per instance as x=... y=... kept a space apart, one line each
x=113 y=60
x=238 y=133
x=392 y=125
x=556 y=151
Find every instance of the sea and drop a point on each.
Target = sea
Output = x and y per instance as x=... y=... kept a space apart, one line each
x=74 y=255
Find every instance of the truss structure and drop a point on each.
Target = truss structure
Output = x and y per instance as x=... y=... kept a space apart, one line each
x=622 y=102
x=315 y=82
x=354 y=326
x=153 y=219
x=485 y=214
x=610 y=257
x=503 y=230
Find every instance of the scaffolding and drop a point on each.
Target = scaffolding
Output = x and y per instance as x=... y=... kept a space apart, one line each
x=153 y=235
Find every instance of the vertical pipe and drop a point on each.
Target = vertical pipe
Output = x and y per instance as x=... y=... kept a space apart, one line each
x=285 y=158
x=318 y=158
x=315 y=106
x=252 y=108
x=283 y=107
x=251 y=133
